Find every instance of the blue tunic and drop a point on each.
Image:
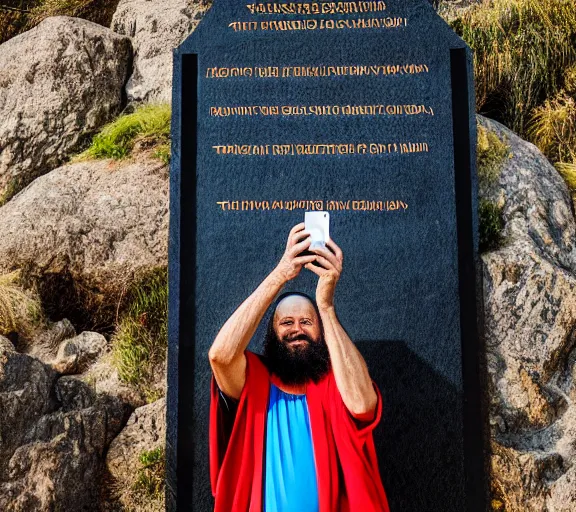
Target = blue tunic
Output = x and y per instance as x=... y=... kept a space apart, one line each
x=290 y=481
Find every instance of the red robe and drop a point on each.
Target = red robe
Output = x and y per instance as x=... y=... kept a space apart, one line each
x=346 y=463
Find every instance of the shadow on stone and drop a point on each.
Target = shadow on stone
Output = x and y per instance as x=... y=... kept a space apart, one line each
x=419 y=440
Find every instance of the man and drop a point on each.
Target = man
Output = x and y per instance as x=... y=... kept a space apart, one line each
x=292 y=431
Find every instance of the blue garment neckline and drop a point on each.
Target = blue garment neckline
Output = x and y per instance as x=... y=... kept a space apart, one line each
x=289 y=394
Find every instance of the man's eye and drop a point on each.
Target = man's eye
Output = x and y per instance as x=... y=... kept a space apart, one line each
x=286 y=322
x=307 y=322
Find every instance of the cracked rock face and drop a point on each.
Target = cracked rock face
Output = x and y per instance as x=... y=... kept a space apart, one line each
x=156 y=28
x=54 y=433
x=530 y=303
x=102 y=221
x=58 y=82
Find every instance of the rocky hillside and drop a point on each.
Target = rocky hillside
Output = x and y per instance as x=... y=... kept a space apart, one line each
x=84 y=136
x=84 y=246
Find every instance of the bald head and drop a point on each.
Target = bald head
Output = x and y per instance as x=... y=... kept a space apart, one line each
x=295 y=319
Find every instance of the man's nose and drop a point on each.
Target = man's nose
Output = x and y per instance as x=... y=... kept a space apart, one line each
x=297 y=329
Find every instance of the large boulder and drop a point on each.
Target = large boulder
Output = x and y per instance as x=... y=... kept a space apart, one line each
x=54 y=434
x=530 y=322
x=58 y=82
x=156 y=28
x=99 y=221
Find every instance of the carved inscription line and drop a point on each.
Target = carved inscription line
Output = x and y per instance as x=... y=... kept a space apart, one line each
x=315 y=71
x=322 y=149
x=321 y=110
x=319 y=205
x=317 y=8
x=296 y=25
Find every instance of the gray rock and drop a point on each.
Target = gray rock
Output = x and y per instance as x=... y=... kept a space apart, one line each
x=25 y=396
x=530 y=306
x=53 y=437
x=103 y=378
x=156 y=28
x=451 y=9
x=6 y=346
x=74 y=394
x=58 y=82
x=563 y=493
x=45 y=345
x=101 y=221
x=76 y=354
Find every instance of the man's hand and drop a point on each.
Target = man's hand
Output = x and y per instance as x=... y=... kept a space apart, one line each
x=331 y=260
x=291 y=263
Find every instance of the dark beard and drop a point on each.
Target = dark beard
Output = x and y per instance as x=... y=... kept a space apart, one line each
x=298 y=365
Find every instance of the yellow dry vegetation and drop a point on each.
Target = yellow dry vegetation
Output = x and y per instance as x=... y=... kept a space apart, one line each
x=20 y=309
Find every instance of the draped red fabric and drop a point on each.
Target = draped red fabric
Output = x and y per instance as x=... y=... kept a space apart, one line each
x=346 y=463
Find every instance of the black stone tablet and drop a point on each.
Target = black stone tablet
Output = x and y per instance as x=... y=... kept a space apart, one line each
x=364 y=110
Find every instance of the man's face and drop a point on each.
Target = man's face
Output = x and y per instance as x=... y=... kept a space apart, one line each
x=296 y=323
x=295 y=350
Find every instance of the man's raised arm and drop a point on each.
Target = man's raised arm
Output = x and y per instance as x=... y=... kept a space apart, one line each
x=350 y=370
x=226 y=354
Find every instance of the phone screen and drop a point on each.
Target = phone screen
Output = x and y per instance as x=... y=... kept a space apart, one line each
x=318 y=225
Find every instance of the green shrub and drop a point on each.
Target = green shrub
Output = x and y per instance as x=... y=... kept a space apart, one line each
x=491 y=225
x=491 y=155
x=151 y=474
x=149 y=125
x=522 y=49
x=140 y=341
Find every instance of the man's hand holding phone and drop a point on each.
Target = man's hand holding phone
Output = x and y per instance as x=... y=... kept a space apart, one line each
x=293 y=260
x=328 y=267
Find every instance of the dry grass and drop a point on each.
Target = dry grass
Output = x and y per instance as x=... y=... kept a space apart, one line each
x=568 y=172
x=20 y=310
x=525 y=67
x=141 y=491
x=570 y=81
x=522 y=49
x=32 y=12
x=553 y=128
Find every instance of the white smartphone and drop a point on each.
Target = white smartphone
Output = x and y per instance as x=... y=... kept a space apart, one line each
x=318 y=225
